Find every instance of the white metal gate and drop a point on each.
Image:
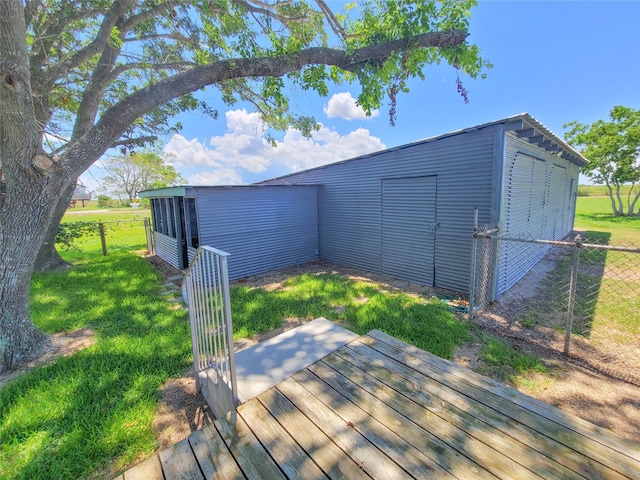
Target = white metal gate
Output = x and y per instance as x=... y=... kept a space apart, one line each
x=206 y=290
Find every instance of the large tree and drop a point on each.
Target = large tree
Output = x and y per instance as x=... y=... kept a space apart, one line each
x=140 y=170
x=80 y=77
x=613 y=150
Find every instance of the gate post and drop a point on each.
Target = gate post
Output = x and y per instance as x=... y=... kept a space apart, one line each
x=573 y=286
x=474 y=249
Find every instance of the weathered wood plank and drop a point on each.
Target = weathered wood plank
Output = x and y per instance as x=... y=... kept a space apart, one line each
x=289 y=456
x=600 y=444
x=454 y=448
x=327 y=455
x=367 y=456
x=568 y=420
x=376 y=430
x=178 y=462
x=213 y=456
x=251 y=456
x=150 y=469
x=479 y=441
x=457 y=409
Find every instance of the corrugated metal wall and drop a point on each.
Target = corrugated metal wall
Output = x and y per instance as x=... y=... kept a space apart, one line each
x=350 y=201
x=409 y=228
x=166 y=248
x=263 y=228
x=538 y=203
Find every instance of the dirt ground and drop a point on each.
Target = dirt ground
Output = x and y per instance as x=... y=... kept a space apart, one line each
x=596 y=397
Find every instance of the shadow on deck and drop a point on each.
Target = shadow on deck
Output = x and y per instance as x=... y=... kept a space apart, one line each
x=380 y=408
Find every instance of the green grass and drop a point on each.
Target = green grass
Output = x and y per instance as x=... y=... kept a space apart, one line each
x=594 y=213
x=124 y=231
x=601 y=190
x=359 y=306
x=90 y=413
x=501 y=362
x=106 y=215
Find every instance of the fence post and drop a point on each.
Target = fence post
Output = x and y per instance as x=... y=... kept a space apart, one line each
x=149 y=234
x=573 y=287
x=474 y=248
x=103 y=239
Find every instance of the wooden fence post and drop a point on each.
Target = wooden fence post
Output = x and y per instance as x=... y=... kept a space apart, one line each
x=103 y=239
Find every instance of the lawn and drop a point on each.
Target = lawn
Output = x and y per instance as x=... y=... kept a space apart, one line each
x=89 y=415
x=594 y=213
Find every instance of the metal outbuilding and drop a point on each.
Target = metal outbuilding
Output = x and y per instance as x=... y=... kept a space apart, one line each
x=407 y=211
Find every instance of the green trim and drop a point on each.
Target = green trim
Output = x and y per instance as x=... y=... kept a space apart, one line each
x=164 y=192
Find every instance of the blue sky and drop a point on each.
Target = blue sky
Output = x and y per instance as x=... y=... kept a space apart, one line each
x=559 y=61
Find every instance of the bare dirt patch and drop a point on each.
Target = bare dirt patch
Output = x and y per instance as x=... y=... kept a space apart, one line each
x=593 y=396
x=182 y=410
x=58 y=345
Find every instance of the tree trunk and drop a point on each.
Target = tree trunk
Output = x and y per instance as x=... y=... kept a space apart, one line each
x=48 y=257
x=24 y=217
x=33 y=183
x=616 y=212
x=620 y=202
x=632 y=203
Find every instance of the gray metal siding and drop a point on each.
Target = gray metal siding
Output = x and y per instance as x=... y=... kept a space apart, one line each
x=166 y=248
x=538 y=202
x=350 y=201
x=408 y=228
x=262 y=228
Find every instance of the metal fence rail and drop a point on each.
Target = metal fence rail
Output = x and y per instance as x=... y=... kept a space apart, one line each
x=582 y=298
x=206 y=286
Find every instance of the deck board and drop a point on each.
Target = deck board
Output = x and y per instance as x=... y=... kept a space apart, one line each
x=379 y=408
x=474 y=417
x=587 y=439
x=287 y=453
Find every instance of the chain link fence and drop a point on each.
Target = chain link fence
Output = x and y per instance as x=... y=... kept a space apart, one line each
x=579 y=296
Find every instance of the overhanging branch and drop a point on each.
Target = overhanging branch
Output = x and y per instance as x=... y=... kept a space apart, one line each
x=117 y=118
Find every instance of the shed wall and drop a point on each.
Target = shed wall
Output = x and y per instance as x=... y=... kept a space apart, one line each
x=261 y=228
x=539 y=196
x=166 y=248
x=350 y=222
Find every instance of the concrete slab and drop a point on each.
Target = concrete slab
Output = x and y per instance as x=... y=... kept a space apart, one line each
x=266 y=364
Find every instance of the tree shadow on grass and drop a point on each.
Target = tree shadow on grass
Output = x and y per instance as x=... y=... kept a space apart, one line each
x=75 y=417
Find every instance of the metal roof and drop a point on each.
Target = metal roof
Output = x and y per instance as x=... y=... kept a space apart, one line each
x=524 y=124
x=187 y=190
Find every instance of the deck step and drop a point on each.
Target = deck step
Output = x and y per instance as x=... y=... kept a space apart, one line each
x=266 y=364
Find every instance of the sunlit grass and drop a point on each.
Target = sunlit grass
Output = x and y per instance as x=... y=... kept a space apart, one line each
x=501 y=362
x=91 y=413
x=360 y=306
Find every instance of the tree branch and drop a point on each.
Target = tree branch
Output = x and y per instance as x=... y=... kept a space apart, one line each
x=141 y=17
x=117 y=118
x=96 y=46
x=134 y=141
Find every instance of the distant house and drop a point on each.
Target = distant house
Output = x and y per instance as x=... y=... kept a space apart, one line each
x=80 y=194
x=406 y=212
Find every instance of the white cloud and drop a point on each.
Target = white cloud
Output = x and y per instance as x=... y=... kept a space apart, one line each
x=223 y=176
x=243 y=149
x=343 y=105
x=190 y=152
x=325 y=146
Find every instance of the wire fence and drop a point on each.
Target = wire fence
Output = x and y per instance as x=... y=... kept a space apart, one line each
x=107 y=236
x=579 y=296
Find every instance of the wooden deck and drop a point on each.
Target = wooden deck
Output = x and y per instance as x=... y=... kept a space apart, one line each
x=379 y=408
